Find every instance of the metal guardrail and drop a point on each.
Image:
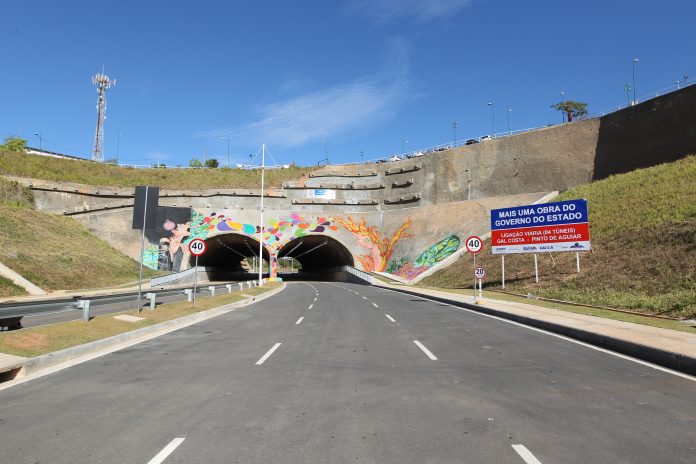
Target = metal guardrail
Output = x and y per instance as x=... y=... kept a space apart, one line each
x=169 y=278
x=12 y=313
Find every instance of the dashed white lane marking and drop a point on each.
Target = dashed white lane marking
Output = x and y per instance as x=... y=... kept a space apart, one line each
x=375 y=305
x=525 y=454
x=425 y=350
x=268 y=354
x=364 y=298
x=315 y=299
x=568 y=339
x=169 y=449
x=390 y=318
x=311 y=306
x=299 y=320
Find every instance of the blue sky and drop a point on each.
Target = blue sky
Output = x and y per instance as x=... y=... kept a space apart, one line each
x=358 y=74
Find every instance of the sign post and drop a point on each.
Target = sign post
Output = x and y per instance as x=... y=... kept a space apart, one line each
x=474 y=244
x=196 y=248
x=479 y=274
x=144 y=217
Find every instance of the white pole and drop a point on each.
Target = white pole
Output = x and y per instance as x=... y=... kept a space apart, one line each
x=474 y=278
x=536 y=269
x=142 y=252
x=502 y=258
x=577 y=261
x=263 y=166
x=195 y=282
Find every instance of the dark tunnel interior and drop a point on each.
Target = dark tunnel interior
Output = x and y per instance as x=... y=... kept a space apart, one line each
x=315 y=253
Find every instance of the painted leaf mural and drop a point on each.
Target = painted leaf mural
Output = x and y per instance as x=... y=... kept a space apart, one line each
x=429 y=258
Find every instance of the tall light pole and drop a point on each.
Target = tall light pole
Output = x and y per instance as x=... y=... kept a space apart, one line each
x=402 y=147
x=228 y=149
x=562 y=112
x=627 y=88
x=118 y=143
x=508 y=115
x=454 y=129
x=635 y=61
x=40 y=140
x=686 y=78
x=263 y=167
x=493 y=116
x=362 y=153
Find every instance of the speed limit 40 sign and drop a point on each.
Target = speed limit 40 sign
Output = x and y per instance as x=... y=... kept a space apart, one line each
x=474 y=244
x=196 y=247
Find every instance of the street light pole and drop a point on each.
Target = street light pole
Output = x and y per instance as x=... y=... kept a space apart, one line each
x=40 y=140
x=635 y=60
x=493 y=115
x=627 y=88
x=263 y=166
x=508 y=115
x=118 y=143
x=228 y=149
x=402 y=147
x=454 y=129
x=562 y=111
x=362 y=153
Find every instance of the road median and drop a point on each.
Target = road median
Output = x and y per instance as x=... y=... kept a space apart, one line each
x=29 y=351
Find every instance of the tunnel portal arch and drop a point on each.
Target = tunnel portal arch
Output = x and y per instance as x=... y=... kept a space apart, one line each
x=317 y=252
x=225 y=252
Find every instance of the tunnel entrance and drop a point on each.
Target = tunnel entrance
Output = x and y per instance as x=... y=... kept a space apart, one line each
x=227 y=255
x=316 y=254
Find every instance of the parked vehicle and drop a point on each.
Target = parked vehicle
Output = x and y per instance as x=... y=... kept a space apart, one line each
x=471 y=142
x=416 y=154
x=486 y=137
x=394 y=158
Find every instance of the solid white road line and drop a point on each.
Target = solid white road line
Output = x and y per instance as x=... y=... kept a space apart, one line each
x=390 y=318
x=169 y=449
x=425 y=350
x=311 y=306
x=299 y=320
x=268 y=354
x=525 y=454
x=375 y=305
x=571 y=340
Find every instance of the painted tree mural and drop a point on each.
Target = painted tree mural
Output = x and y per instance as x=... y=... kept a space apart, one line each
x=381 y=247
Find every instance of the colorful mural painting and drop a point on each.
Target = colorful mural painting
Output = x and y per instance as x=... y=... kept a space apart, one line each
x=381 y=248
x=433 y=256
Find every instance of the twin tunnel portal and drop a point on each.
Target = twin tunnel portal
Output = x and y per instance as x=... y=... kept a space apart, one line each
x=317 y=255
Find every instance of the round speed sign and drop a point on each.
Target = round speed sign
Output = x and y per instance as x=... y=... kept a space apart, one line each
x=474 y=244
x=196 y=247
x=479 y=272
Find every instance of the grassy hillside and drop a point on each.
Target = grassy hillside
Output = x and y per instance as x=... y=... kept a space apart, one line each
x=54 y=252
x=42 y=167
x=643 y=228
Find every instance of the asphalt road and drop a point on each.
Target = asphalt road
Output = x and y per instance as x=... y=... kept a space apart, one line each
x=340 y=379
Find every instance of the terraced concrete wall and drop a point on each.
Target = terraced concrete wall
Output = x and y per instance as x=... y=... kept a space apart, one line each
x=423 y=200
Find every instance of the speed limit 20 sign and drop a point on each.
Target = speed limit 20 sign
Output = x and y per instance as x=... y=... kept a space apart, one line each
x=474 y=244
x=479 y=272
x=196 y=247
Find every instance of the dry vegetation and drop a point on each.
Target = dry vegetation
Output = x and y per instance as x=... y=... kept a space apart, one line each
x=99 y=174
x=643 y=227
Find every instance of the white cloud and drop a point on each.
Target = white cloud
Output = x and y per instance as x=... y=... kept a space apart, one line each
x=329 y=112
x=419 y=10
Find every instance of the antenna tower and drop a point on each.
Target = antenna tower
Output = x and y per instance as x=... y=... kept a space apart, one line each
x=103 y=84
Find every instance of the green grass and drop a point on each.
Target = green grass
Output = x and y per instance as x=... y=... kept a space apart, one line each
x=8 y=288
x=643 y=227
x=99 y=174
x=36 y=341
x=57 y=252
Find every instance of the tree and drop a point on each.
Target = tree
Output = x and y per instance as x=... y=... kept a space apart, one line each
x=13 y=143
x=211 y=163
x=572 y=108
x=195 y=163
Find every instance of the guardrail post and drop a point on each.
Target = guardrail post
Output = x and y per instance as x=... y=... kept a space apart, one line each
x=152 y=297
x=229 y=288
x=241 y=286
x=84 y=305
x=212 y=290
x=189 y=294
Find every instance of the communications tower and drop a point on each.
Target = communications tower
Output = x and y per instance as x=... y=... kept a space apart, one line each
x=103 y=84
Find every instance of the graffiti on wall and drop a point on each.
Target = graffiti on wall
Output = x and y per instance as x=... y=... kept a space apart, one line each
x=380 y=247
x=404 y=267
